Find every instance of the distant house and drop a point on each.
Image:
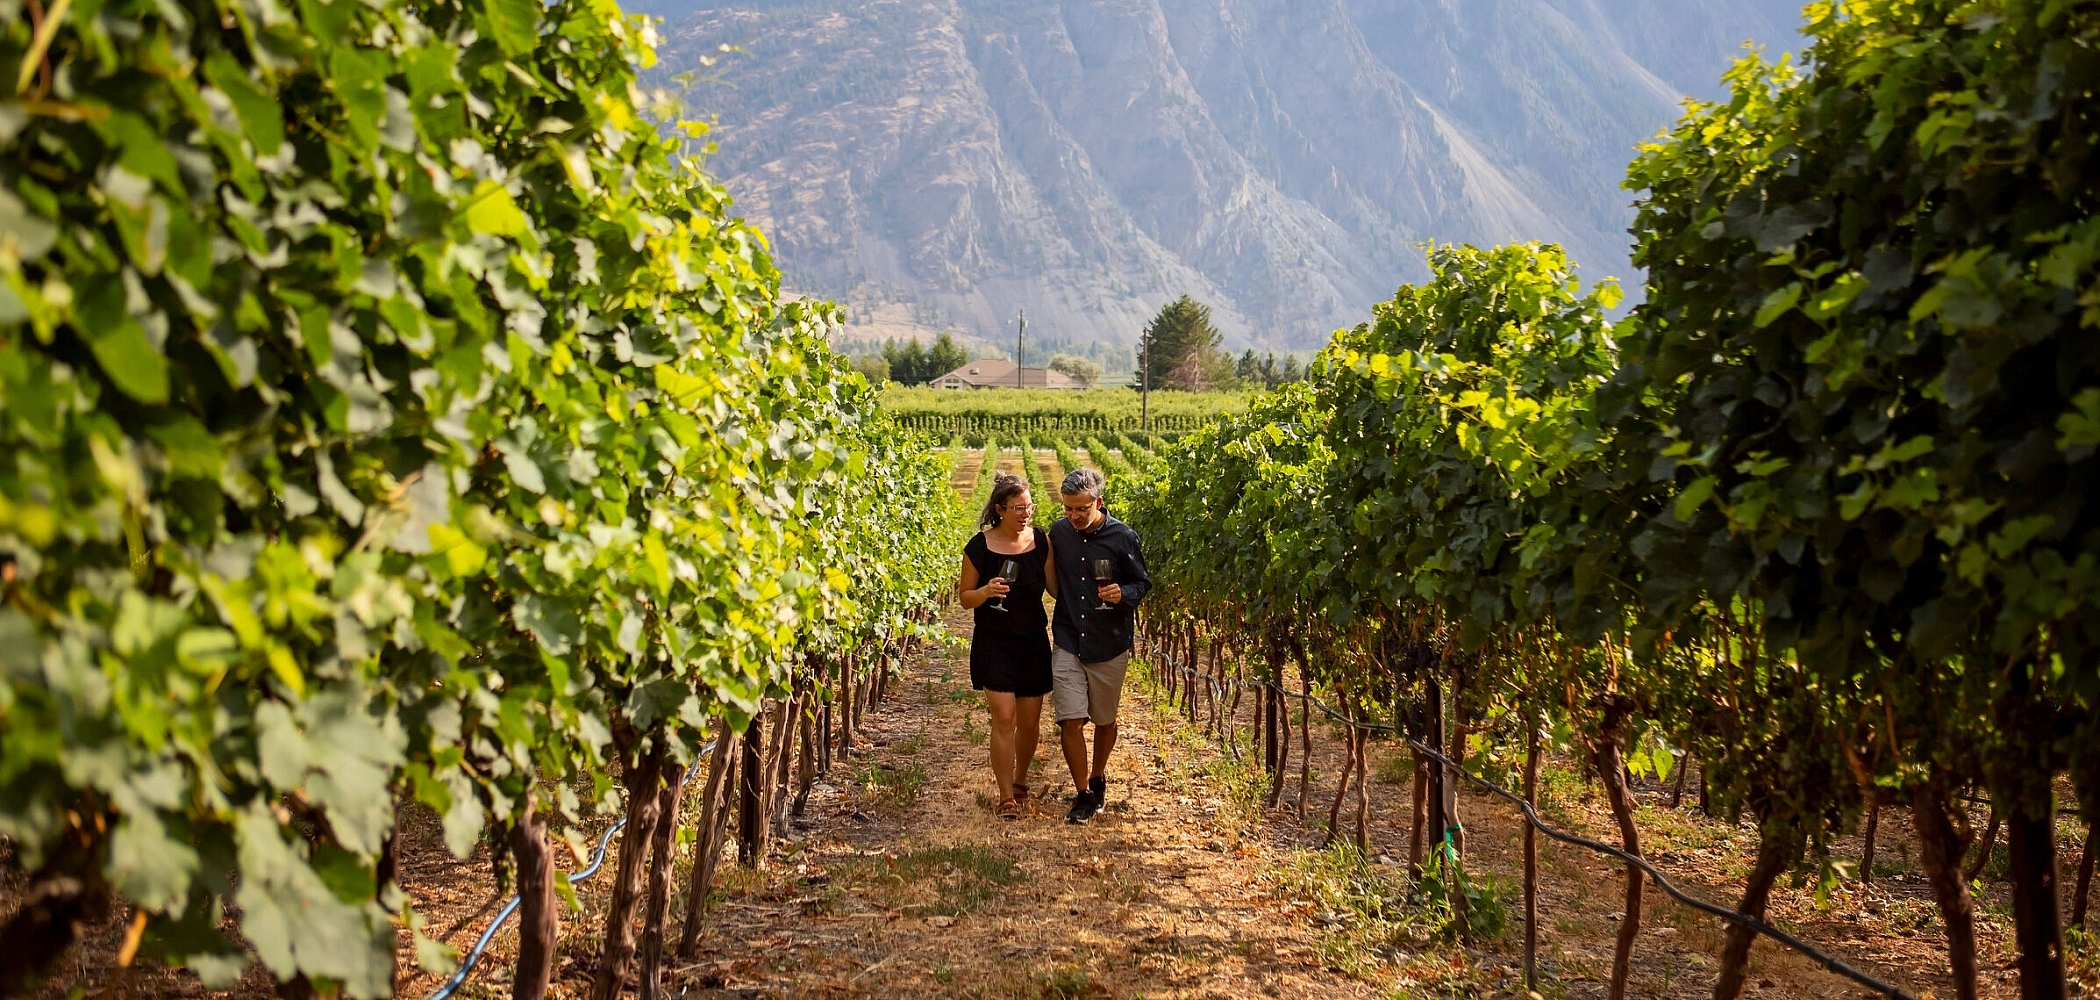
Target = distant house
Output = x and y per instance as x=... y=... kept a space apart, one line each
x=996 y=374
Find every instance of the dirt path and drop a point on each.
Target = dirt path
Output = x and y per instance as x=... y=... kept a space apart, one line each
x=1008 y=461
x=964 y=477
x=892 y=893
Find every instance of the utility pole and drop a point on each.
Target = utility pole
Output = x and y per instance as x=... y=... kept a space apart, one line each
x=1021 y=352
x=1145 y=382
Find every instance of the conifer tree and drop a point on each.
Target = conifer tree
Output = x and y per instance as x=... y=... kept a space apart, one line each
x=1186 y=350
x=1248 y=371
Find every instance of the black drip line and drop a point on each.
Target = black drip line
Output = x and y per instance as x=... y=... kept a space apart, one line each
x=1825 y=959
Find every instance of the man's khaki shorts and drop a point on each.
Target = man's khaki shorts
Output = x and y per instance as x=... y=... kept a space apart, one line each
x=1087 y=690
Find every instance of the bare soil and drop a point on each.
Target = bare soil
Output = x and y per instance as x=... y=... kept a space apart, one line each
x=899 y=882
x=964 y=476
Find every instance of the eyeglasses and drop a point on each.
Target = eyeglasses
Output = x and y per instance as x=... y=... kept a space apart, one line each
x=1025 y=508
x=1076 y=511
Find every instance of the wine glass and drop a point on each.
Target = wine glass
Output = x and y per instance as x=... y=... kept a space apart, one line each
x=1104 y=574
x=1009 y=571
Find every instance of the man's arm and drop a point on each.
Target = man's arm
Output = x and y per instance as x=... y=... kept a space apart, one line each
x=1136 y=589
x=1050 y=567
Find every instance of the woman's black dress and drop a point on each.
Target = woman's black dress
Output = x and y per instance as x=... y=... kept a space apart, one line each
x=1011 y=649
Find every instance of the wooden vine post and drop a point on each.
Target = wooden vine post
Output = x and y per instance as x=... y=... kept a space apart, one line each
x=1342 y=782
x=1438 y=823
x=751 y=795
x=1943 y=835
x=657 y=912
x=642 y=779
x=1363 y=791
x=1775 y=852
x=1531 y=857
x=707 y=841
x=1615 y=712
x=539 y=915
x=1866 y=853
x=1420 y=813
x=2082 y=885
x=1304 y=733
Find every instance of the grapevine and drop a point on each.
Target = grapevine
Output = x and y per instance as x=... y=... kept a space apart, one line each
x=1111 y=464
x=1067 y=458
x=1136 y=454
x=1812 y=512
x=987 y=473
x=1053 y=412
x=392 y=415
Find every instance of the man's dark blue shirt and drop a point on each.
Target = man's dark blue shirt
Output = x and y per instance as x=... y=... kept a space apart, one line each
x=1079 y=626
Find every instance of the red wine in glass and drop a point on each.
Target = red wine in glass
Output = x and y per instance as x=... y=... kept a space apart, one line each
x=1009 y=571
x=1104 y=574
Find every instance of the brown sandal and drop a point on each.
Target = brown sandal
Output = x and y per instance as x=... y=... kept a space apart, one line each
x=1009 y=809
x=1021 y=793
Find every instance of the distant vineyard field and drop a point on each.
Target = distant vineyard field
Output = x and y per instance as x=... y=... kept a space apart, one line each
x=1013 y=413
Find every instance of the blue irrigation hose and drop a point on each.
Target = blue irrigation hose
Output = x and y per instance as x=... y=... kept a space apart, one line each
x=473 y=957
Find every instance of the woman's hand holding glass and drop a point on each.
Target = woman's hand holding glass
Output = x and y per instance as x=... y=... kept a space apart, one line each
x=1009 y=571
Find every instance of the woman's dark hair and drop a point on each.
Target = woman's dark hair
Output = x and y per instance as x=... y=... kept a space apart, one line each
x=1005 y=487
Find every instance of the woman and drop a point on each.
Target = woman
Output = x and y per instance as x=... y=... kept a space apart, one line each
x=1010 y=651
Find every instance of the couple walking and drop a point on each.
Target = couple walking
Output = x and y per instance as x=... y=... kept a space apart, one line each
x=1090 y=563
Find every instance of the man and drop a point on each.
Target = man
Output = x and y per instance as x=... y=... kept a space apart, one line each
x=1091 y=630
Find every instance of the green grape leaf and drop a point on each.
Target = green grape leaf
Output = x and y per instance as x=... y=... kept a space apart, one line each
x=463 y=821
x=191 y=451
x=493 y=211
x=130 y=360
x=2079 y=427
x=1694 y=497
x=262 y=120
x=435 y=957
x=30 y=235
x=359 y=76
x=297 y=924
x=147 y=865
x=1776 y=304
x=514 y=24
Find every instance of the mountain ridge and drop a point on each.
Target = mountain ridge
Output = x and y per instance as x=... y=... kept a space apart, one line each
x=941 y=164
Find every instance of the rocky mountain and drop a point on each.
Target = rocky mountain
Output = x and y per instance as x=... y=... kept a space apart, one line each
x=939 y=164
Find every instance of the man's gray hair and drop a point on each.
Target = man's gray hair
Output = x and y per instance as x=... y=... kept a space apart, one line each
x=1077 y=481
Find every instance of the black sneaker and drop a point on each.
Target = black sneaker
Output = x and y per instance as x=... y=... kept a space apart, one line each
x=1084 y=806
x=1098 y=786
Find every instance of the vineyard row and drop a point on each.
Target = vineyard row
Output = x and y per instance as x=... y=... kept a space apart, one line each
x=392 y=415
x=1815 y=515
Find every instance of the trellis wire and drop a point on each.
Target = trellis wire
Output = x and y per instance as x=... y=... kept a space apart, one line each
x=1828 y=961
x=473 y=956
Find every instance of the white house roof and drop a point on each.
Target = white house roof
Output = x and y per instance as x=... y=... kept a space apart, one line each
x=993 y=373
